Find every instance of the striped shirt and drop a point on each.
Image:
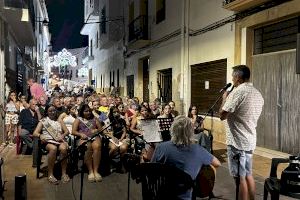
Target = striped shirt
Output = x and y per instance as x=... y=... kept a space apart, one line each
x=244 y=105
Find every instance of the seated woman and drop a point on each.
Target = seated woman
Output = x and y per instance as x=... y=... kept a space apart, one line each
x=118 y=140
x=166 y=113
x=52 y=134
x=68 y=117
x=197 y=121
x=85 y=126
x=137 y=128
x=174 y=112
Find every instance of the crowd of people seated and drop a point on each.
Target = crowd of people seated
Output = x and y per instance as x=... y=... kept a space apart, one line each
x=82 y=118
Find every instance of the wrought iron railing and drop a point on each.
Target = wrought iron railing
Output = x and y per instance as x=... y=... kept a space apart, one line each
x=138 y=29
x=225 y=2
x=85 y=53
x=16 y=3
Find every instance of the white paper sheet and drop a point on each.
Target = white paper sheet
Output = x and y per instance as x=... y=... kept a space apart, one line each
x=150 y=129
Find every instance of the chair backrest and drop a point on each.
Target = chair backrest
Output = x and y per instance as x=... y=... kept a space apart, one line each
x=274 y=165
x=161 y=181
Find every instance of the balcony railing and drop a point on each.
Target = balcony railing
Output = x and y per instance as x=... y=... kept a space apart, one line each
x=241 y=5
x=16 y=4
x=138 y=29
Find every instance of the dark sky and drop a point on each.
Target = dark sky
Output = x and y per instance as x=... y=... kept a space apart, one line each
x=65 y=22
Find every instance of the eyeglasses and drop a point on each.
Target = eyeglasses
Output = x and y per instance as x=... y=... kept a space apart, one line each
x=51 y=111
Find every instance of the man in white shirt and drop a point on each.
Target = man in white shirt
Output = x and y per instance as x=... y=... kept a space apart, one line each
x=241 y=108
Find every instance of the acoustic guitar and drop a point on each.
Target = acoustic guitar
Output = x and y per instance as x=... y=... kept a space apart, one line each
x=205 y=181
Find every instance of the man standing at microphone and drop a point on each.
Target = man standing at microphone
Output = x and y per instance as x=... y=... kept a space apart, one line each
x=241 y=108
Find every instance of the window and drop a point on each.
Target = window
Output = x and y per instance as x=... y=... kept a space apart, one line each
x=101 y=81
x=110 y=79
x=164 y=84
x=103 y=21
x=91 y=47
x=131 y=12
x=276 y=37
x=160 y=11
x=97 y=40
x=118 y=78
x=113 y=78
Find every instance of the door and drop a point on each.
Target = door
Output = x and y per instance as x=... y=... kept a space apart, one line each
x=130 y=86
x=274 y=75
x=146 y=79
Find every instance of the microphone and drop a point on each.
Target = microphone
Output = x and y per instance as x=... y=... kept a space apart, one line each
x=225 y=87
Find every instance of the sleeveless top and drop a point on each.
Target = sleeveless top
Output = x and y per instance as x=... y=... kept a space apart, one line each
x=11 y=107
x=138 y=123
x=69 y=120
x=85 y=126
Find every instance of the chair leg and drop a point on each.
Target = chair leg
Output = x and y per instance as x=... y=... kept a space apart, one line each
x=37 y=158
x=265 y=192
x=275 y=196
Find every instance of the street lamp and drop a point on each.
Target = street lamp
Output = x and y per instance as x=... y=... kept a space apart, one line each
x=63 y=59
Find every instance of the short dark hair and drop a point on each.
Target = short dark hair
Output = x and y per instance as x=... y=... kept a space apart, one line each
x=242 y=71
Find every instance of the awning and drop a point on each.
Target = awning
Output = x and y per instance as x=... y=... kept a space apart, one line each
x=22 y=30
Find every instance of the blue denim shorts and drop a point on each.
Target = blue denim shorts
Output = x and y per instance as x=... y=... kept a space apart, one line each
x=245 y=161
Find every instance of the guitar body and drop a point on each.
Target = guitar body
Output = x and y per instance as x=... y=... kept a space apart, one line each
x=205 y=181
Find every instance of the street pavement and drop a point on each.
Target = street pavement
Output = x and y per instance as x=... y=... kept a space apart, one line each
x=115 y=186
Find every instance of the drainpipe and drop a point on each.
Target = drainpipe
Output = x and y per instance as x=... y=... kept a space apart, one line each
x=181 y=91
x=184 y=79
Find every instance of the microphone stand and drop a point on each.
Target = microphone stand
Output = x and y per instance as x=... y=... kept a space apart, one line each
x=211 y=112
x=82 y=148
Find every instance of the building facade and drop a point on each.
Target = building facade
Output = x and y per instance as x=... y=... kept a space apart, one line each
x=23 y=38
x=104 y=24
x=184 y=50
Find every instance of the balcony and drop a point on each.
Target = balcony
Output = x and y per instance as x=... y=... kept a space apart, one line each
x=241 y=5
x=18 y=4
x=86 y=57
x=138 y=32
x=91 y=10
x=18 y=16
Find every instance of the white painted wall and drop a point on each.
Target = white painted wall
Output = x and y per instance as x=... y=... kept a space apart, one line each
x=212 y=45
x=172 y=21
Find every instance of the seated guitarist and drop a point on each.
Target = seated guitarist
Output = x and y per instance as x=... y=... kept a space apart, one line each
x=182 y=153
x=85 y=126
x=52 y=134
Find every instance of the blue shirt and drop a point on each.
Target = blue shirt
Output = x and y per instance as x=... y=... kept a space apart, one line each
x=187 y=158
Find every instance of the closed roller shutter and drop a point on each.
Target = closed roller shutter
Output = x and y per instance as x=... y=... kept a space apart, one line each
x=213 y=76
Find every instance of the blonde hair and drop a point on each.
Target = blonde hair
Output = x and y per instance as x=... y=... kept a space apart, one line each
x=182 y=131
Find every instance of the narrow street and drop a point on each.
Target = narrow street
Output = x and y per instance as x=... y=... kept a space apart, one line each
x=115 y=185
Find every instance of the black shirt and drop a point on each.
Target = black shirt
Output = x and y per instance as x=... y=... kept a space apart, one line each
x=27 y=121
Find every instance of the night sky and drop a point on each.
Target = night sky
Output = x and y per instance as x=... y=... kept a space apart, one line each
x=65 y=22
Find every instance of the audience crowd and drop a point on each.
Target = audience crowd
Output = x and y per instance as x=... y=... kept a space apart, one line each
x=62 y=117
